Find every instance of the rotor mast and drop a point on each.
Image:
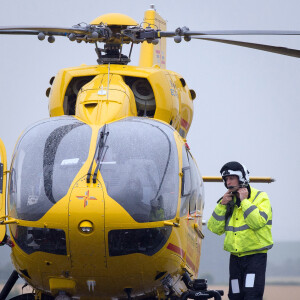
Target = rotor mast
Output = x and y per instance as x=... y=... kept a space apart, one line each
x=153 y=53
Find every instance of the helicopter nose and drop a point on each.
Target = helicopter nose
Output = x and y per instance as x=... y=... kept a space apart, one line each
x=86 y=229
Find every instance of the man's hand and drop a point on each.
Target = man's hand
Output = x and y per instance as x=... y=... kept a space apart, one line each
x=9 y=242
x=226 y=198
x=243 y=193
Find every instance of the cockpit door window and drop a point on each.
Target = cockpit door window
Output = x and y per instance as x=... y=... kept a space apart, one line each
x=191 y=185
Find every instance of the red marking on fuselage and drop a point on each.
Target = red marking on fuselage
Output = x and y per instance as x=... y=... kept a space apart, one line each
x=176 y=249
x=191 y=264
x=179 y=251
x=184 y=124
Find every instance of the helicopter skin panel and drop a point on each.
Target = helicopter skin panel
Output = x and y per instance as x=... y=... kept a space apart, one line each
x=90 y=207
x=3 y=169
x=104 y=99
x=153 y=55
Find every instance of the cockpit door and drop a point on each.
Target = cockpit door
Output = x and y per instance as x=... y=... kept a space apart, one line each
x=3 y=172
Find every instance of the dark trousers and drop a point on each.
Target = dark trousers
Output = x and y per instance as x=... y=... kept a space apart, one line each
x=247 y=277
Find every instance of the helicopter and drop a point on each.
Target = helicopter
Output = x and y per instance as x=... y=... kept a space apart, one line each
x=91 y=90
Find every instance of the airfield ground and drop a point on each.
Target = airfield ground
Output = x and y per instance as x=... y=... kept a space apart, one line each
x=272 y=292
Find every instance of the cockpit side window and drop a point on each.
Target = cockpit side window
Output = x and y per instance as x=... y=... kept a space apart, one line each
x=195 y=190
x=186 y=183
x=191 y=185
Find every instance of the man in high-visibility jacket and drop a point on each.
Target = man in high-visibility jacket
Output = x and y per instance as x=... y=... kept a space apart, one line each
x=244 y=214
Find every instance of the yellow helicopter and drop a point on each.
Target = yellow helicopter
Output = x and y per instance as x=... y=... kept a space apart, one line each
x=104 y=198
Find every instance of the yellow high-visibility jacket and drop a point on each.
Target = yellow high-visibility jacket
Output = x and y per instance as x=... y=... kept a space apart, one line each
x=248 y=229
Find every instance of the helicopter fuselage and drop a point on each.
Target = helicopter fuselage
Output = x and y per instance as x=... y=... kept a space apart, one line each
x=106 y=194
x=133 y=223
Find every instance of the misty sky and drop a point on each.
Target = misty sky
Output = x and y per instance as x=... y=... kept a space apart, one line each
x=247 y=106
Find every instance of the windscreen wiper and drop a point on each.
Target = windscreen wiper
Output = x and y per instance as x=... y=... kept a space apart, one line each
x=99 y=154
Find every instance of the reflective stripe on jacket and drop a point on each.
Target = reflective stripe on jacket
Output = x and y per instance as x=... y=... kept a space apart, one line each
x=248 y=230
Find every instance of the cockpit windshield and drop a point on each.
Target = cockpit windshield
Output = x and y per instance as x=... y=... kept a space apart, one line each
x=136 y=157
x=139 y=166
x=46 y=160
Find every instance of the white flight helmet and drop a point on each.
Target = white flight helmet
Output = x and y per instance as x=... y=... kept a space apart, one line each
x=237 y=169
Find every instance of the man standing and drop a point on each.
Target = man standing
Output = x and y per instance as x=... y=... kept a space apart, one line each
x=244 y=214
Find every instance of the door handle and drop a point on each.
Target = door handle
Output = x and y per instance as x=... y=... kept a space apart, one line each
x=198 y=231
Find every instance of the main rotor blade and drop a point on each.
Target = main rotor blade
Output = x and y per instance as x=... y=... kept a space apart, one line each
x=249 y=32
x=186 y=32
x=268 y=48
x=53 y=30
x=19 y=32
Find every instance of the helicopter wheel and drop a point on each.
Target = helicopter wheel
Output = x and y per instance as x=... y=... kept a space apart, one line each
x=46 y=297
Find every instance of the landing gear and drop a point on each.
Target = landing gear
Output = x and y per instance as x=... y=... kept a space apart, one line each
x=197 y=289
x=9 y=285
x=128 y=293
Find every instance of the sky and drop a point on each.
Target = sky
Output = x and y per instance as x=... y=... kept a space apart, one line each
x=247 y=106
